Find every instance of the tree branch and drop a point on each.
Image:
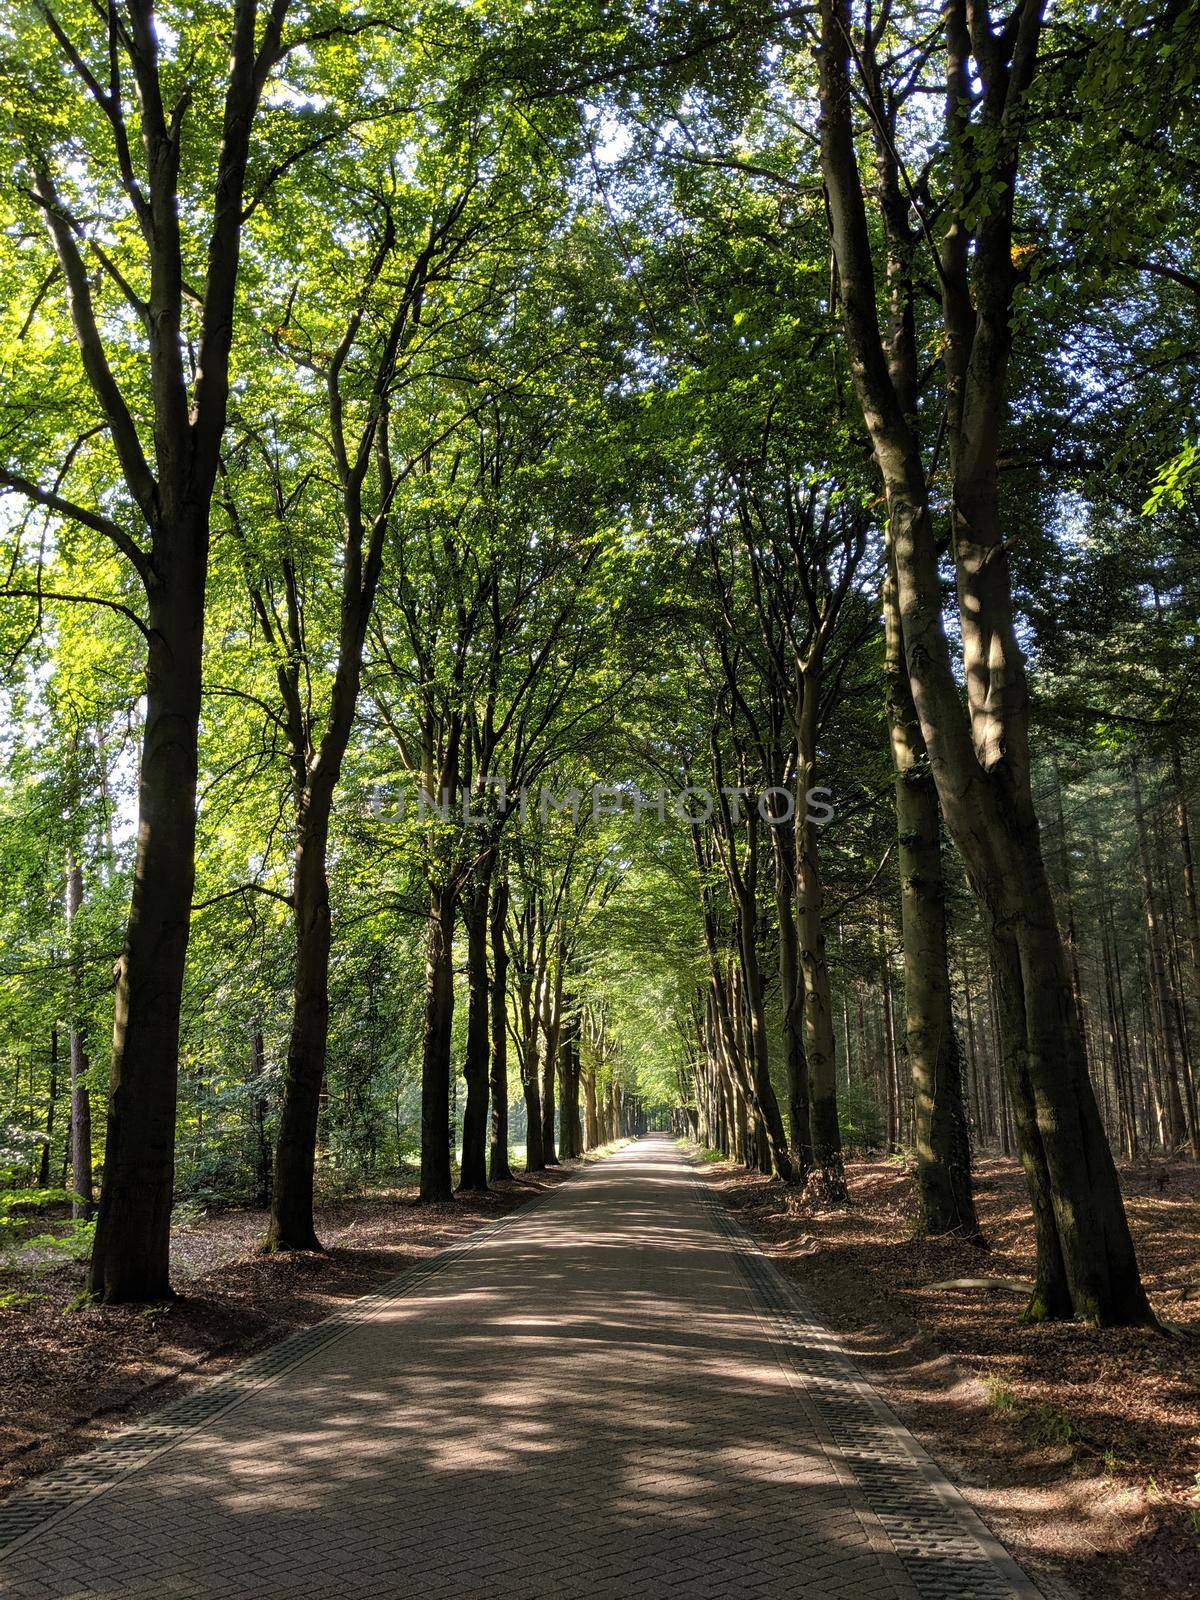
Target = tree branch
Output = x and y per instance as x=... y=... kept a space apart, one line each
x=91 y=347
x=39 y=595
x=244 y=888
x=128 y=547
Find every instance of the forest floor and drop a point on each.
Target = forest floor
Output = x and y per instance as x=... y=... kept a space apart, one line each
x=1079 y=1448
x=68 y=1377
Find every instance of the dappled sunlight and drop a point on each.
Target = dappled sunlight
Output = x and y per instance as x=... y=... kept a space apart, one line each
x=1077 y=1446
x=594 y=1381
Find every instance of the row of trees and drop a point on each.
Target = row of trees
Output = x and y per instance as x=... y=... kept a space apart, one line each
x=453 y=412
x=1137 y=1005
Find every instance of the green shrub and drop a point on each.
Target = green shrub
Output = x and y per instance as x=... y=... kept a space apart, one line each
x=73 y=1243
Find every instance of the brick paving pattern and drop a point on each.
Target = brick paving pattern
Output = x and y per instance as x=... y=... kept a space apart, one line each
x=610 y=1394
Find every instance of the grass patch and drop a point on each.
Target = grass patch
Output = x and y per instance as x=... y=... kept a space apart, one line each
x=1001 y=1398
x=603 y=1150
x=1040 y=1421
x=700 y=1152
x=1048 y=1424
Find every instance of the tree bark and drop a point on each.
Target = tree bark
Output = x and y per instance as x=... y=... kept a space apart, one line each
x=978 y=1098
x=81 y=1102
x=943 y=1146
x=1176 y=988
x=51 y=1102
x=729 y=1055
x=498 y=1161
x=1189 y=868
x=770 y=1136
x=791 y=994
x=262 y=1145
x=571 y=1140
x=130 y=1255
x=436 y=1180
x=749 y=1014
x=1164 y=1000
x=473 y=1175
x=551 y=1028
x=1116 y=1045
x=535 y=1160
x=891 y=1064
x=292 y=1225
x=828 y=1174
x=591 y=1126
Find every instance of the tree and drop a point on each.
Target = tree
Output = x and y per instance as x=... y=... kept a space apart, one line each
x=374 y=361
x=154 y=427
x=980 y=759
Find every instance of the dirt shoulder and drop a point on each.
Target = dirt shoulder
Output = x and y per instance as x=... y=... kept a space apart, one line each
x=69 y=1377
x=1080 y=1449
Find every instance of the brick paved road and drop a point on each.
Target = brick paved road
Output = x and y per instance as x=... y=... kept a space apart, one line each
x=608 y=1395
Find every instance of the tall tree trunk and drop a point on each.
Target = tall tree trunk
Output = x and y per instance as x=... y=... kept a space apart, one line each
x=770 y=1138
x=436 y=1179
x=942 y=1140
x=978 y=1101
x=1121 y=1074
x=791 y=996
x=849 y=1054
x=1189 y=869
x=51 y=1102
x=535 y=1160
x=891 y=1064
x=81 y=1102
x=571 y=1140
x=739 y=1056
x=551 y=1028
x=292 y=1225
x=1161 y=995
x=1148 y=1037
x=1177 y=984
x=130 y=1255
x=498 y=1154
x=262 y=1145
x=316 y=760
x=771 y=1147
x=82 y=1201
x=734 y=1078
x=722 y=1122
x=743 y=1069
x=724 y=1118
x=591 y=1124
x=473 y=1176
x=828 y=1173
x=1072 y=932
x=1123 y=1020
x=741 y=1120
x=576 y=1075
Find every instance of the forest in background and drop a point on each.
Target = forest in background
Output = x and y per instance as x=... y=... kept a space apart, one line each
x=473 y=399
